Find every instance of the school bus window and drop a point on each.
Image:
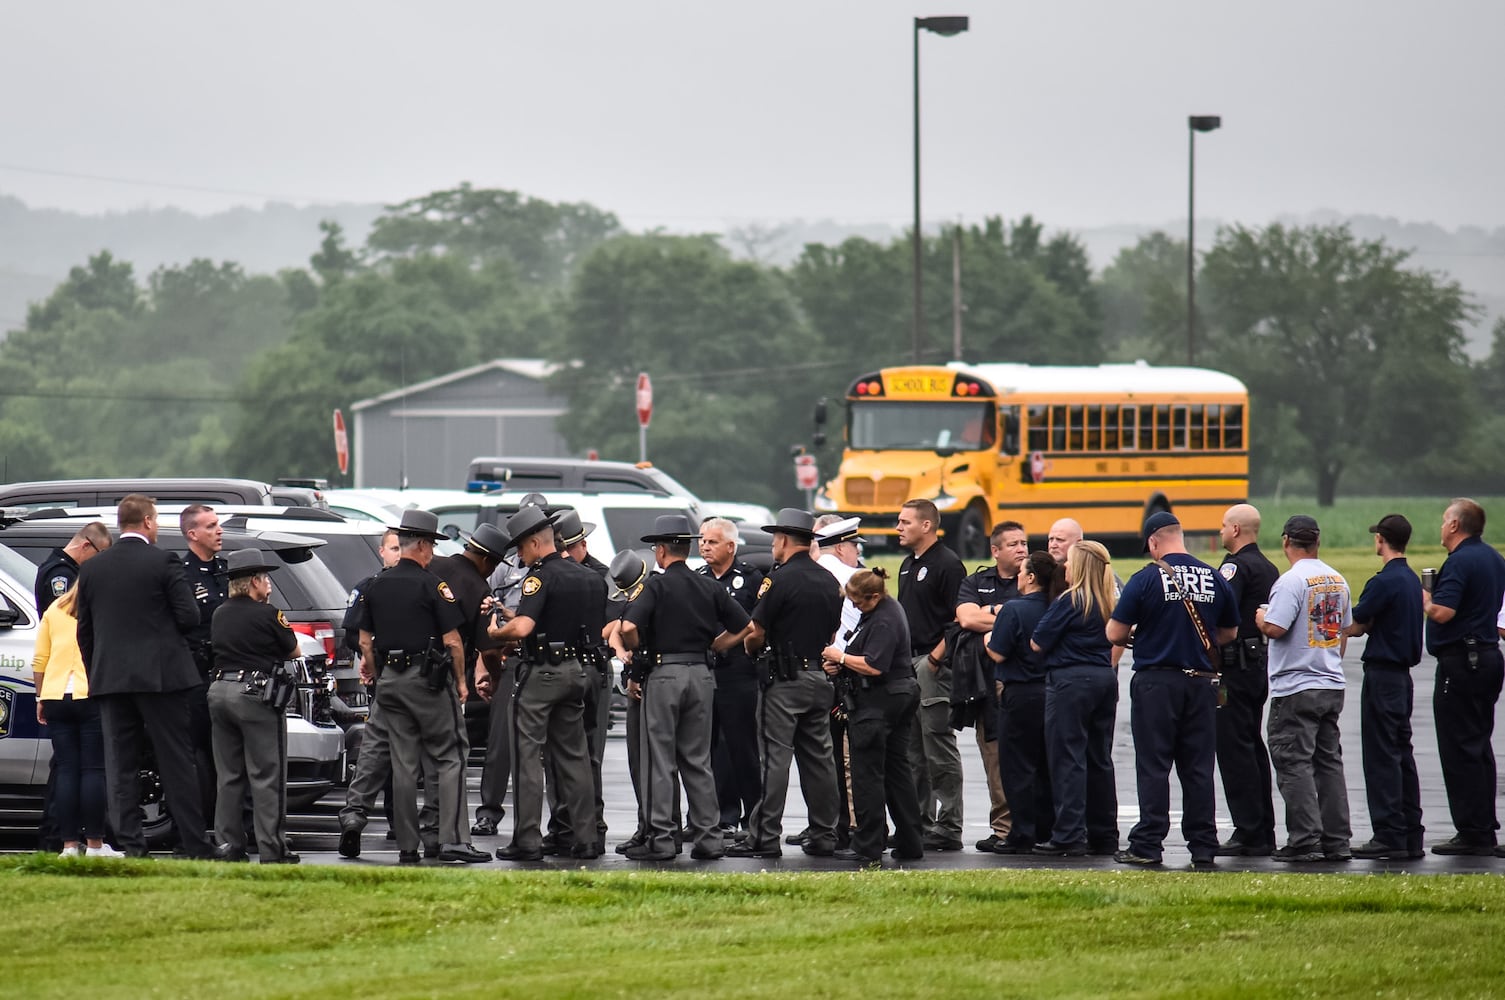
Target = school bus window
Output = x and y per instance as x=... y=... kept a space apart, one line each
x=1233 y=426
x=1009 y=417
x=1075 y=437
x=1214 y=427
x=1058 y=428
x=1178 y=427
x=1110 y=428
x=1162 y=427
x=1094 y=429
x=1039 y=428
x=1146 y=428
x=1198 y=439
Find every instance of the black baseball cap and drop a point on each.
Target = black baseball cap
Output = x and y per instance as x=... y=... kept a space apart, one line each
x=1301 y=529
x=1156 y=521
x=1394 y=529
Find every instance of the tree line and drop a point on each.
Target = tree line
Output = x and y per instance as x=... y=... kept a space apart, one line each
x=1354 y=358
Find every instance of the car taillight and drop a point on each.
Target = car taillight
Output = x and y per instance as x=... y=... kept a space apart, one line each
x=321 y=632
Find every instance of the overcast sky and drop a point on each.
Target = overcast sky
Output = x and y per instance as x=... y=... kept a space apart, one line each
x=699 y=115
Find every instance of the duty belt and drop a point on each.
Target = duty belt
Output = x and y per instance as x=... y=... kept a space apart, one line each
x=807 y=663
x=399 y=659
x=236 y=676
x=1188 y=671
x=665 y=659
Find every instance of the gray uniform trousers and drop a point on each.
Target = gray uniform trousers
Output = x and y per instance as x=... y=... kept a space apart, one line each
x=250 y=749
x=497 y=770
x=547 y=710
x=373 y=767
x=635 y=765
x=794 y=721
x=419 y=722
x=559 y=815
x=676 y=734
x=933 y=754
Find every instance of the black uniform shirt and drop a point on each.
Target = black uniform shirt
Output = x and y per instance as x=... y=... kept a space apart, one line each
x=562 y=597
x=1391 y=607
x=470 y=589
x=1250 y=576
x=927 y=590
x=55 y=576
x=352 y=622
x=409 y=608
x=800 y=607
x=250 y=635
x=881 y=638
x=211 y=587
x=741 y=580
x=682 y=612
x=1471 y=582
x=986 y=588
x=1010 y=639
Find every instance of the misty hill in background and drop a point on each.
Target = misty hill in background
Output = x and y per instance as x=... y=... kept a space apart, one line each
x=38 y=246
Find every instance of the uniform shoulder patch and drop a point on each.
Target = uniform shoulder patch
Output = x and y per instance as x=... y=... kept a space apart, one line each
x=531 y=585
x=767 y=582
x=59 y=585
x=352 y=597
x=445 y=592
x=1228 y=569
x=282 y=620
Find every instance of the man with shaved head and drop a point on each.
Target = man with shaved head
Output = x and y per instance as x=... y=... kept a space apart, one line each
x=1242 y=757
x=1063 y=535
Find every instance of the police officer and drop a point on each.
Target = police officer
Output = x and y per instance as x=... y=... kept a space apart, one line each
x=373 y=767
x=1461 y=612
x=629 y=575
x=466 y=572
x=559 y=619
x=1389 y=612
x=60 y=568
x=410 y=623
x=797 y=614
x=1242 y=757
x=676 y=623
x=251 y=639
x=734 y=746
x=1184 y=611
x=206 y=576
x=570 y=534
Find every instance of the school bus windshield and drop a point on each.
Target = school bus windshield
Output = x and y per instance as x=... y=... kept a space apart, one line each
x=901 y=426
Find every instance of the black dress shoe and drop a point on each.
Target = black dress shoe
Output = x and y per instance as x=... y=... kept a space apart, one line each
x=287 y=858
x=462 y=852
x=1007 y=846
x=1235 y=848
x=899 y=855
x=586 y=852
x=430 y=849
x=1457 y=845
x=514 y=853
x=483 y=828
x=408 y=857
x=1102 y=849
x=225 y=852
x=1202 y=862
x=938 y=843
x=636 y=840
x=701 y=854
x=350 y=843
x=796 y=839
x=750 y=850
x=645 y=852
x=1051 y=849
x=990 y=844
x=816 y=850
x=558 y=847
x=847 y=854
x=392 y=835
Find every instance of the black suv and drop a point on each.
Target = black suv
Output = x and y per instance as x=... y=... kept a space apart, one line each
x=108 y=492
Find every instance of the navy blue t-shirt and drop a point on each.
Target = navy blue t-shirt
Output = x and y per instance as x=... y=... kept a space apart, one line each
x=1166 y=636
x=1471 y=582
x=1010 y=639
x=1065 y=640
x=1391 y=607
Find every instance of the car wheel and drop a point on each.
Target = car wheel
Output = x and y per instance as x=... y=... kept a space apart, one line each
x=972 y=534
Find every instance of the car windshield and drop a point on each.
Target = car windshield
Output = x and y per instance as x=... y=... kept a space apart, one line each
x=896 y=426
x=19 y=568
x=628 y=524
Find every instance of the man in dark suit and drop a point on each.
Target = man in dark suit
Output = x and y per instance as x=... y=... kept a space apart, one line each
x=134 y=606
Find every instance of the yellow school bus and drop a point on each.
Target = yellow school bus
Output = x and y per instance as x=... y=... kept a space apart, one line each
x=1108 y=445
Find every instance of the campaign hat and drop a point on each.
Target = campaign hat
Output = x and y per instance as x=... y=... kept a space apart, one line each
x=528 y=521
x=420 y=524
x=247 y=562
x=628 y=571
x=489 y=540
x=569 y=527
x=673 y=528
x=793 y=521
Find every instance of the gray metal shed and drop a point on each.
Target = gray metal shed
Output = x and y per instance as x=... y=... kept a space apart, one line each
x=427 y=433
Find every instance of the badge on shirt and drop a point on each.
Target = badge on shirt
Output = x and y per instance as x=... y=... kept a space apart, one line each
x=767 y=582
x=352 y=597
x=921 y=574
x=737 y=582
x=1228 y=569
x=59 y=585
x=282 y=621
x=445 y=592
x=531 y=585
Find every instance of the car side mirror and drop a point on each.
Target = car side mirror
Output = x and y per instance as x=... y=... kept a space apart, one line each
x=9 y=613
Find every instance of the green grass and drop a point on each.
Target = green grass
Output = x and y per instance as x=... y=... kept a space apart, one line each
x=117 y=930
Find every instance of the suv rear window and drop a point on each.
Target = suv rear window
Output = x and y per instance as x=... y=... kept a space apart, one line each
x=627 y=524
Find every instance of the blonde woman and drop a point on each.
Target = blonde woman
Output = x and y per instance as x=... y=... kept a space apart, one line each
x=1081 y=699
x=72 y=721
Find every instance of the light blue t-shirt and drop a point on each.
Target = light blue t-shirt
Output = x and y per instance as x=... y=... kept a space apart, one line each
x=1311 y=601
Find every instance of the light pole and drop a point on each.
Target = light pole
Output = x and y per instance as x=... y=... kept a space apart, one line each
x=1195 y=124
x=945 y=27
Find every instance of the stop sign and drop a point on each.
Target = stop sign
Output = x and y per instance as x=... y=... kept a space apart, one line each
x=341 y=442
x=644 y=399
x=806 y=473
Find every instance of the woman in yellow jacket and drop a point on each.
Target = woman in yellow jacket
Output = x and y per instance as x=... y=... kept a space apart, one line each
x=72 y=721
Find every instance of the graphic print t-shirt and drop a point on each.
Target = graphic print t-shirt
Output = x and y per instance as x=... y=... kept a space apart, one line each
x=1311 y=601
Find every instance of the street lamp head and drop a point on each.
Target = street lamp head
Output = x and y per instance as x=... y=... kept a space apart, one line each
x=946 y=26
x=1204 y=123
